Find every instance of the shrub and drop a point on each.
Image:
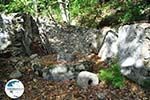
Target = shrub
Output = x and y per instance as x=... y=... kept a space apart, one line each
x=112 y=76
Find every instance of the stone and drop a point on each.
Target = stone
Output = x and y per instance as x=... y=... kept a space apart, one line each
x=58 y=73
x=84 y=66
x=132 y=46
x=146 y=45
x=59 y=69
x=46 y=74
x=14 y=59
x=16 y=74
x=80 y=67
x=75 y=39
x=4 y=40
x=101 y=96
x=86 y=79
x=133 y=51
x=33 y=56
x=65 y=76
x=109 y=46
x=29 y=36
x=128 y=62
x=130 y=37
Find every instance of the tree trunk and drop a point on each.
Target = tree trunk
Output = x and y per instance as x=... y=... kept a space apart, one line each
x=64 y=5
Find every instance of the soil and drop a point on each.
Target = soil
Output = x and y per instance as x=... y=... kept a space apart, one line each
x=36 y=88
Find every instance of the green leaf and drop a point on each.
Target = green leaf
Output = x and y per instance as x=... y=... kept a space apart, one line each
x=112 y=75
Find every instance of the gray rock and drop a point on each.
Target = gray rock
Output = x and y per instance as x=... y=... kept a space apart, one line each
x=59 y=69
x=65 y=76
x=130 y=44
x=25 y=31
x=101 y=96
x=14 y=59
x=146 y=46
x=80 y=67
x=20 y=63
x=83 y=66
x=133 y=48
x=37 y=68
x=86 y=79
x=75 y=39
x=33 y=56
x=109 y=46
x=60 y=72
x=36 y=65
x=4 y=40
x=19 y=35
x=47 y=75
x=16 y=74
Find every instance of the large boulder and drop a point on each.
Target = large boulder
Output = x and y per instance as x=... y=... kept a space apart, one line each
x=21 y=29
x=132 y=45
x=42 y=35
x=109 y=46
x=4 y=34
x=132 y=42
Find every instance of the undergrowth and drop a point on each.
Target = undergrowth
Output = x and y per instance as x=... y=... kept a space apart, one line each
x=112 y=75
x=90 y=13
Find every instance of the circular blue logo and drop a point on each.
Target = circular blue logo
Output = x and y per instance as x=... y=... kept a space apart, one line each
x=14 y=88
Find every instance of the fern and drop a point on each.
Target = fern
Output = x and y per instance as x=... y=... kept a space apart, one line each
x=112 y=75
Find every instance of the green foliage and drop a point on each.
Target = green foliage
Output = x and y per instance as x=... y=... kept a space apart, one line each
x=112 y=75
x=87 y=12
x=132 y=11
x=27 y=6
x=20 y=6
x=33 y=7
x=114 y=12
x=80 y=7
x=1 y=7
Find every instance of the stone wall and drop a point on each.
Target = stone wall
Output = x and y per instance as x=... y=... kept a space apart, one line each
x=24 y=35
x=131 y=44
x=27 y=33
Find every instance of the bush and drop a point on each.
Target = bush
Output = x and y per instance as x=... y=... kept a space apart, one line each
x=20 y=6
x=88 y=13
x=132 y=11
x=80 y=7
x=112 y=76
x=2 y=7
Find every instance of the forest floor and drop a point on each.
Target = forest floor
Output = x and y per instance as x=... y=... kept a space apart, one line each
x=36 y=88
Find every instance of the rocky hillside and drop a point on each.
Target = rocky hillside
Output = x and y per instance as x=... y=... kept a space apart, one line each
x=41 y=52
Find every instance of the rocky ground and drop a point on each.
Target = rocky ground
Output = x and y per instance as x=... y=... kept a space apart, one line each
x=36 y=88
x=73 y=48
